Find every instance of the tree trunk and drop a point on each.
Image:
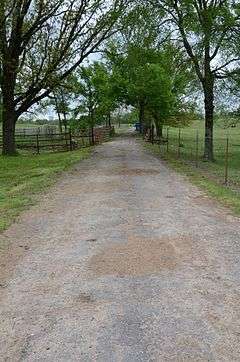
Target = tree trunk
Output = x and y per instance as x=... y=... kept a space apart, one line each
x=8 y=129
x=152 y=133
x=109 y=120
x=159 y=129
x=58 y=114
x=65 y=121
x=209 y=112
x=59 y=121
x=9 y=116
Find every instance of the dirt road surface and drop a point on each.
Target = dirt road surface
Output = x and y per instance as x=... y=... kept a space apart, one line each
x=123 y=260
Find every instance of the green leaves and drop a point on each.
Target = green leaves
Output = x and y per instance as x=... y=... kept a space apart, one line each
x=95 y=90
x=151 y=79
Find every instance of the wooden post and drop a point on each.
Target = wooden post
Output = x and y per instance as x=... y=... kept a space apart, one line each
x=226 y=161
x=37 y=144
x=152 y=134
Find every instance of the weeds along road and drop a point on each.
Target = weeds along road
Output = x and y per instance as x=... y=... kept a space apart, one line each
x=123 y=260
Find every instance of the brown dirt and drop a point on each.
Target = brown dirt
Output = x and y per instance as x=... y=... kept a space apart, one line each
x=135 y=172
x=139 y=257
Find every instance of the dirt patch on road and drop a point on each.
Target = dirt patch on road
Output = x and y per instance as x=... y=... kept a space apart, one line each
x=100 y=187
x=141 y=257
x=132 y=172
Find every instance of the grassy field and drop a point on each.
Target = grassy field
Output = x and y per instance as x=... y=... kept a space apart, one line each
x=188 y=151
x=224 y=195
x=24 y=176
x=209 y=176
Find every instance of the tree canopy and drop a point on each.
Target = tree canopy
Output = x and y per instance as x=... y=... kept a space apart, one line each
x=41 y=43
x=152 y=55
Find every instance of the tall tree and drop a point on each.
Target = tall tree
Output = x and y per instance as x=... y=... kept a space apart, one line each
x=85 y=89
x=41 y=43
x=209 y=31
x=94 y=87
x=150 y=80
x=60 y=102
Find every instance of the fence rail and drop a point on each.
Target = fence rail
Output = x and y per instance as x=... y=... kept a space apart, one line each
x=188 y=146
x=67 y=141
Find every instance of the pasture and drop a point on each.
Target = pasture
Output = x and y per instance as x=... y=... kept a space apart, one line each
x=190 y=148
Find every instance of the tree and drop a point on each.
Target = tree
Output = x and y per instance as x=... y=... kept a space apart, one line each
x=209 y=31
x=150 y=80
x=88 y=97
x=142 y=51
x=103 y=82
x=41 y=43
x=97 y=99
x=61 y=100
x=61 y=107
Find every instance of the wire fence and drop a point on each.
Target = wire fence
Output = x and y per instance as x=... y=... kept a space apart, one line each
x=188 y=146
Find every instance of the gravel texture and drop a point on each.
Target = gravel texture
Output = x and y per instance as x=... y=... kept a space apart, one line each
x=123 y=260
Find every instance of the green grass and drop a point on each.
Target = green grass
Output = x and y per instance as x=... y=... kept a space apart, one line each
x=225 y=195
x=24 y=176
x=214 y=170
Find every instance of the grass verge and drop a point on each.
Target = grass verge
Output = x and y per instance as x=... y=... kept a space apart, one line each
x=221 y=193
x=188 y=150
x=24 y=176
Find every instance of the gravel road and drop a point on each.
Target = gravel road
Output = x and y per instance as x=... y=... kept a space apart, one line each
x=123 y=260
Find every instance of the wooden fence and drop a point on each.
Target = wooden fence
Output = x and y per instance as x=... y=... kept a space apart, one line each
x=67 y=141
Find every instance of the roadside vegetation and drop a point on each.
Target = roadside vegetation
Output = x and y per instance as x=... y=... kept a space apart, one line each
x=217 y=169
x=209 y=176
x=23 y=177
x=225 y=196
